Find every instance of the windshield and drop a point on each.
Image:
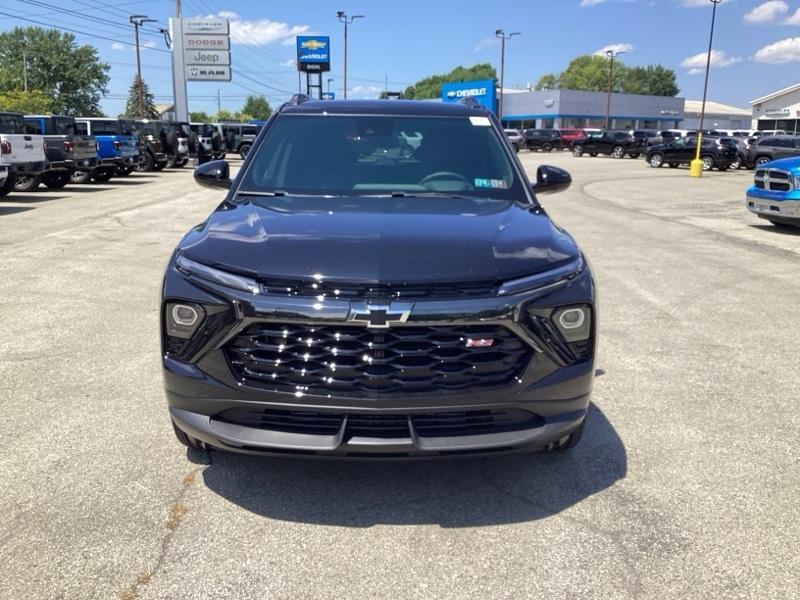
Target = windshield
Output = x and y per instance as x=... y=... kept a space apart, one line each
x=12 y=124
x=369 y=155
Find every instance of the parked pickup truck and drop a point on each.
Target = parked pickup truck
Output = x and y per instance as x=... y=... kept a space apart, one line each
x=775 y=193
x=615 y=143
x=116 y=148
x=20 y=152
x=66 y=151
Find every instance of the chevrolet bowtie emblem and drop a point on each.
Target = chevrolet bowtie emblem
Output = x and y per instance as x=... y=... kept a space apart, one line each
x=379 y=316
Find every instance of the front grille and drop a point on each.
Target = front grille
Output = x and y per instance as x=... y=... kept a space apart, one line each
x=774 y=180
x=354 y=360
x=394 y=426
x=393 y=292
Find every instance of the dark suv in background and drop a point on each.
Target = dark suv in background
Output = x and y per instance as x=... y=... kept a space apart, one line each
x=714 y=153
x=545 y=140
x=612 y=142
x=66 y=151
x=386 y=303
x=766 y=149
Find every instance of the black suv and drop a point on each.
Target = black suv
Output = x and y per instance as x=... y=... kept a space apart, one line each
x=545 y=140
x=767 y=149
x=350 y=297
x=714 y=153
x=615 y=143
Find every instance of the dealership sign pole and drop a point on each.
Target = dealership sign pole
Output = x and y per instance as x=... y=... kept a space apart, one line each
x=200 y=52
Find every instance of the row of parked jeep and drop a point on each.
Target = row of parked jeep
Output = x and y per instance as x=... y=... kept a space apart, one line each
x=58 y=150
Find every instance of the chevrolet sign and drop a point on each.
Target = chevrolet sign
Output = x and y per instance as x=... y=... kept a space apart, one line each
x=483 y=92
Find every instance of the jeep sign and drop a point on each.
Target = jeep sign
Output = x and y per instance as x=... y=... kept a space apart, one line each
x=208 y=57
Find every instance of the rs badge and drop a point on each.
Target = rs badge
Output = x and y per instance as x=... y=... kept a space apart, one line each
x=480 y=343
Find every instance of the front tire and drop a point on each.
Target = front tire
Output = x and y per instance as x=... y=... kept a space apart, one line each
x=81 y=177
x=146 y=163
x=27 y=183
x=547 y=148
x=577 y=150
x=762 y=160
x=618 y=152
x=708 y=162
x=102 y=175
x=657 y=160
x=244 y=150
x=187 y=440
x=57 y=180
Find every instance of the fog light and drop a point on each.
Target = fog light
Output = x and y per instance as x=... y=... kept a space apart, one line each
x=184 y=315
x=574 y=322
x=182 y=320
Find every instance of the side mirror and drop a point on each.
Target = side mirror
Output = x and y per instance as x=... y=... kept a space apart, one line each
x=551 y=179
x=214 y=174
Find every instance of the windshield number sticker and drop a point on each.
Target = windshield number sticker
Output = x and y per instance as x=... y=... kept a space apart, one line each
x=496 y=184
x=480 y=121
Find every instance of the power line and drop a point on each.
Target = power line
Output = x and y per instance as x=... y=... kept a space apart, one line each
x=75 y=31
x=91 y=18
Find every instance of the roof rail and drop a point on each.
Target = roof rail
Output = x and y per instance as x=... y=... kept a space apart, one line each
x=295 y=100
x=471 y=102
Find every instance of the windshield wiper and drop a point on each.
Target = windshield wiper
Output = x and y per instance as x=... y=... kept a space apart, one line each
x=452 y=195
x=272 y=193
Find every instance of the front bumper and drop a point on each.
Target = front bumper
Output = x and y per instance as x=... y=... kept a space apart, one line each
x=201 y=386
x=777 y=206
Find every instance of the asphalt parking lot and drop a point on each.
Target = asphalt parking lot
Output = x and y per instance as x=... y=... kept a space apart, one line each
x=686 y=484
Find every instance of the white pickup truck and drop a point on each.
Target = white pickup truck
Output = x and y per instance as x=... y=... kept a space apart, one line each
x=21 y=154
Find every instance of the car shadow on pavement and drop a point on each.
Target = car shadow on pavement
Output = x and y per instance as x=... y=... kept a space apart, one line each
x=10 y=210
x=780 y=229
x=467 y=492
x=30 y=197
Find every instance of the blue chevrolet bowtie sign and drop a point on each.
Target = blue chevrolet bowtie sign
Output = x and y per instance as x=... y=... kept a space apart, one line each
x=313 y=52
x=482 y=91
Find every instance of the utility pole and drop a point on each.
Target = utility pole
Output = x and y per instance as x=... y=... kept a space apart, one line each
x=610 y=54
x=25 y=71
x=503 y=37
x=343 y=18
x=696 y=166
x=137 y=21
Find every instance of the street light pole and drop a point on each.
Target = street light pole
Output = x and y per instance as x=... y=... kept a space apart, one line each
x=329 y=84
x=696 y=168
x=343 y=18
x=499 y=33
x=137 y=21
x=610 y=54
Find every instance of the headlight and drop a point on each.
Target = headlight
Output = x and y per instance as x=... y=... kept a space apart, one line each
x=797 y=182
x=237 y=282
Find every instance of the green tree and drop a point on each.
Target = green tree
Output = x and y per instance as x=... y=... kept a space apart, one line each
x=199 y=117
x=223 y=114
x=32 y=102
x=148 y=102
x=590 y=73
x=72 y=75
x=255 y=107
x=431 y=87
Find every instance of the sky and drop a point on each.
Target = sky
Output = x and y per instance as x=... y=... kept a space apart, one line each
x=756 y=44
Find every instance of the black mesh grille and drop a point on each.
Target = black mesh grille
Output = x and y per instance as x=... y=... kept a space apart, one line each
x=354 y=360
x=441 y=424
x=394 y=292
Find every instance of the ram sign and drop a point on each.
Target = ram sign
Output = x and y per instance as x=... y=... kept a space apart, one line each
x=482 y=91
x=313 y=53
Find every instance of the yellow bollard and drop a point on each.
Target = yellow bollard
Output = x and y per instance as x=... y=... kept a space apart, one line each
x=696 y=168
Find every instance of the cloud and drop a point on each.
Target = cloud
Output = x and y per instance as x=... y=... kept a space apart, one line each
x=779 y=53
x=118 y=46
x=289 y=63
x=697 y=63
x=698 y=3
x=794 y=19
x=585 y=3
x=149 y=44
x=261 y=31
x=364 y=91
x=767 y=12
x=486 y=42
x=615 y=48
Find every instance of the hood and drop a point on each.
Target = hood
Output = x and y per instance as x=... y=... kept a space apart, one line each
x=787 y=164
x=380 y=240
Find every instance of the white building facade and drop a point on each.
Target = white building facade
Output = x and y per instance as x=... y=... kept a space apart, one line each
x=779 y=110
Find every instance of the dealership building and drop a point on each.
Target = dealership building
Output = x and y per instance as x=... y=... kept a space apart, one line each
x=778 y=110
x=717 y=116
x=562 y=109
